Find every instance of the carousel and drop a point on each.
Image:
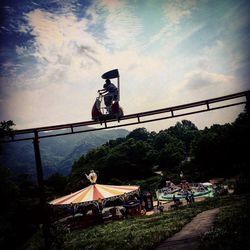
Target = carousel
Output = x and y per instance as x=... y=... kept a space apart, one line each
x=98 y=201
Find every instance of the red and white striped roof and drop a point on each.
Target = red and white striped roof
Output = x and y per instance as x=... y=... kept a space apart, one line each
x=93 y=193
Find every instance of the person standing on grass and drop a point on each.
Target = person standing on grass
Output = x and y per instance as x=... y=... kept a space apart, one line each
x=160 y=207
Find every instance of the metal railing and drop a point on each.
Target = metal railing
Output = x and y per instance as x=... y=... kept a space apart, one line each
x=169 y=112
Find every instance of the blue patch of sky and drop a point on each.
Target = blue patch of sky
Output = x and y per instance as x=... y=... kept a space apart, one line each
x=216 y=26
x=153 y=18
x=80 y=8
x=10 y=35
x=151 y=15
x=50 y=6
x=17 y=66
x=96 y=28
x=229 y=24
x=195 y=43
x=9 y=55
x=236 y=32
x=244 y=75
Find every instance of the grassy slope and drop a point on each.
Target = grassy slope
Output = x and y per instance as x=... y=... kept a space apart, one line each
x=139 y=232
x=231 y=229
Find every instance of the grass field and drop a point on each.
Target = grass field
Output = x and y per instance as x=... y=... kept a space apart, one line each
x=231 y=229
x=146 y=232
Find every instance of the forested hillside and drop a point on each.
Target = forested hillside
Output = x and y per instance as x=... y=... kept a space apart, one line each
x=58 y=154
x=218 y=151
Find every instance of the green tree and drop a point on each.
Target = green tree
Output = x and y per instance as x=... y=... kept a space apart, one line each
x=215 y=151
x=139 y=134
x=171 y=155
x=184 y=131
x=6 y=126
x=17 y=209
x=6 y=129
x=56 y=183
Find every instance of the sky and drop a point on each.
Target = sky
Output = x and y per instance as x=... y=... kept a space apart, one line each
x=53 y=53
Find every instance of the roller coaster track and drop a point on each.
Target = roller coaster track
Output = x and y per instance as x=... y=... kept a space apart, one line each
x=137 y=118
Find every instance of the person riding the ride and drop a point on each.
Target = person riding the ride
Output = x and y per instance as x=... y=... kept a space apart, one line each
x=111 y=94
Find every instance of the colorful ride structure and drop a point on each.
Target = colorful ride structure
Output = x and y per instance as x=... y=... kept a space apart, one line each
x=183 y=190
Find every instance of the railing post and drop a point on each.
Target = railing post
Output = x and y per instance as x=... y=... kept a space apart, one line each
x=138 y=117
x=208 y=108
x=40 y=181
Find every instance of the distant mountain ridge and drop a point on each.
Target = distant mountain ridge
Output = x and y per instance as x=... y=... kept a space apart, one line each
x=57 y=153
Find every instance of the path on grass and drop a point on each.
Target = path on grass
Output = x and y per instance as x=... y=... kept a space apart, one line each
x=188 y=237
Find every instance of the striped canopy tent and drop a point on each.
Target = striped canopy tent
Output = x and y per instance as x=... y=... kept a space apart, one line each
x=95 y=192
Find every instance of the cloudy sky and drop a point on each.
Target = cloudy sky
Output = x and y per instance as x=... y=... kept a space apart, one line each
x=53 y=53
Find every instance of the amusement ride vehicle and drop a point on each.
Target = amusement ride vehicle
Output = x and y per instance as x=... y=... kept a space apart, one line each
x=108 y=108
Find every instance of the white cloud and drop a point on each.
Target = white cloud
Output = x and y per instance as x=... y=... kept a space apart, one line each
x=121 y=26
x=22 y=50
x=45 y=106
x=198 y=85
x=11 y=68
x=62 y=37
x=22 y=28
x=177 y=10
x=64 y=49
x=197 y=80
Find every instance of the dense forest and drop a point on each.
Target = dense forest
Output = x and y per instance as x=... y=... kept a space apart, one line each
x=218 y=151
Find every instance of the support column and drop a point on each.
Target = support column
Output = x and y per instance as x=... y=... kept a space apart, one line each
x=248 y=102
x=40 y=180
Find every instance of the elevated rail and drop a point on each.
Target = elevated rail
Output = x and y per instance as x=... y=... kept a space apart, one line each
x=169 y=112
